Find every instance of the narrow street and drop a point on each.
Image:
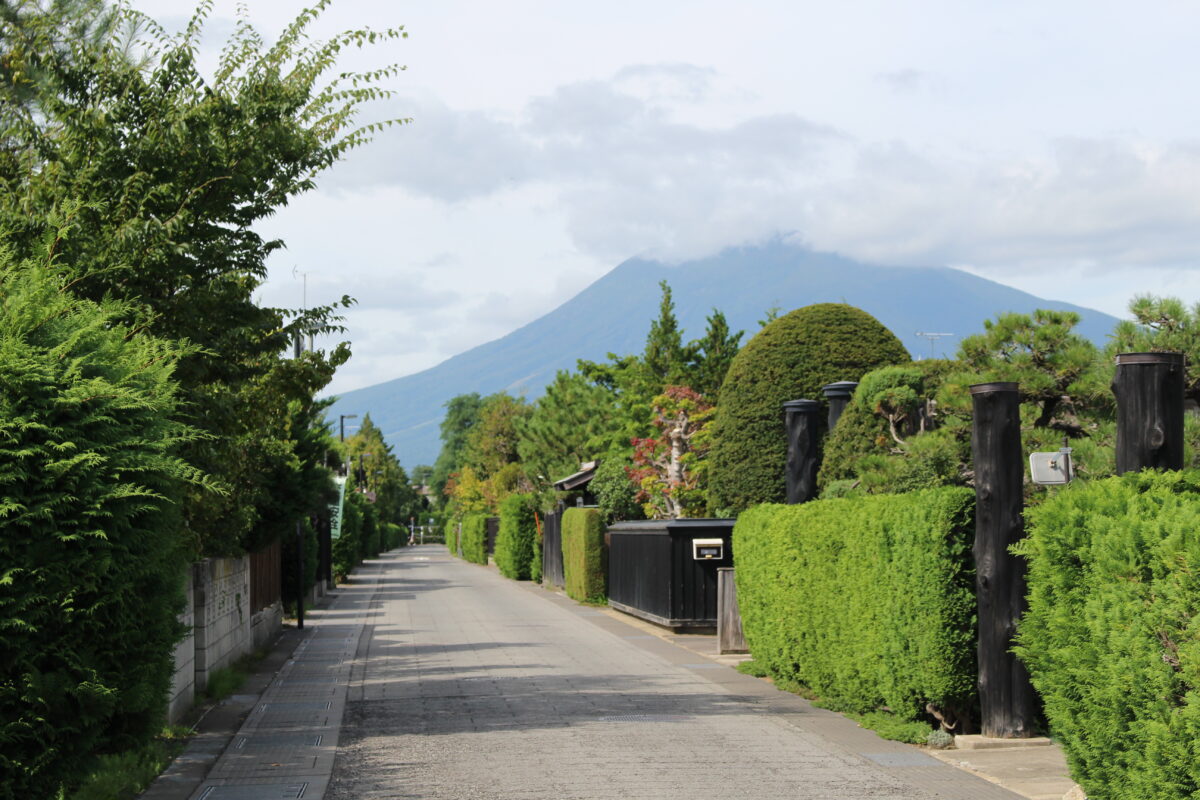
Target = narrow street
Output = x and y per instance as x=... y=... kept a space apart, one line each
x=433 y=678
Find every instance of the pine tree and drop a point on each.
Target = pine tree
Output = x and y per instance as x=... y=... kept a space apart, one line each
x=664 y=356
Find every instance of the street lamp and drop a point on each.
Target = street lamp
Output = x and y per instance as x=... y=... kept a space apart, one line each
x=342 y=425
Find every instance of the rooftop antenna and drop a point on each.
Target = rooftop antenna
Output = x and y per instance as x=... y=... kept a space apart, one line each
x=933 y=338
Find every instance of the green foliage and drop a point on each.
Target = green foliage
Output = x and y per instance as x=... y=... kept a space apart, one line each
x=452 y=528
x=516 y=539
x=585 y=558
x=615 y=494
x=710 y=356
x=755 y=668
x=462 y=414
x=1112 y=635
x=347 y=548
x=789 y=359
x=664 y=357
x=571 y=423
x=1162 y=324
x=898 y=729
x=378 y=471
x=869 y=601
x=1060 y=373
x=127 y=774
x=474 y=538
x=535 y=557
x=168 y=174
x=91 y=563
x=311 y=557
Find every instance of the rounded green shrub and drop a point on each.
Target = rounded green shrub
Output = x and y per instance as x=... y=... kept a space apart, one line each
x=789 y=359
x=474 y=538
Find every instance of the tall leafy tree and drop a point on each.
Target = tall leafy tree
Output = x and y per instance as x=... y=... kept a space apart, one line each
x=173 y=171
x=665 y=358
x=573 y=421
x=462 y=414
x=710 y=356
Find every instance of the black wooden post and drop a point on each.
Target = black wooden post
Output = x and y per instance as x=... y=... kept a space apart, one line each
x=1005 y=693
x=299 y=576
x=1149 y=390
x=838 y=394
x=800 y=419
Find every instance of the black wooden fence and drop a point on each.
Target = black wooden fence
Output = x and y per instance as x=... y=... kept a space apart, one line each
x=552 y=557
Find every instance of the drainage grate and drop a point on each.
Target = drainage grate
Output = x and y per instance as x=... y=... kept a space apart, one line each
x=645 y=718
x=262 y=791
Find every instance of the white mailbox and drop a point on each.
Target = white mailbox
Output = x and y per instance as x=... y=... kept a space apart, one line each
x=708 y=549
x=1051 y=469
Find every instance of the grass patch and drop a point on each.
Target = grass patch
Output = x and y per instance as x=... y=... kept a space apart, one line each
x=123 y=776
x=754 y=668
x=889 y=726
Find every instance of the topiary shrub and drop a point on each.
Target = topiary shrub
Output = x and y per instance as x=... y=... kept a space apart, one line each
x=1112 y=635
x=615 y=493
x=474 y=538
x=92 y=550
x=585 y=558
x=516 y=537
x=452 y=536
x=789 y=359
x=869 y=601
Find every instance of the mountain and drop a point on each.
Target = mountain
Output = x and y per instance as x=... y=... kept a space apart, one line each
x=614 y=313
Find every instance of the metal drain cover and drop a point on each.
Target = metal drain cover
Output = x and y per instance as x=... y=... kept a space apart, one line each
x=262 y=791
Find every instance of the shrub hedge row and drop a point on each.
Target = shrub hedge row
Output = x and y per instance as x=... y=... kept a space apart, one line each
x=452 y=536
x=535 y=562
x=517 y=536
x=869 y=601
x=585 y=558
x=474 y=538
x=1112 y=636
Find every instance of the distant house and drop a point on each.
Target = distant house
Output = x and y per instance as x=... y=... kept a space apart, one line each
x=580 y=482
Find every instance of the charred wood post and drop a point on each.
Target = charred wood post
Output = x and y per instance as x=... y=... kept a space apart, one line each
x=803 y=430
x=1149 y=390
x=838 y=394
x=1005 y=694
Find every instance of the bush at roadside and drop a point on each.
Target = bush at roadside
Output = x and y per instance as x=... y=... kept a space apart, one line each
x=474 y=538
x=869 y=601
x=1112 y=636
x=517 y=536
x=585 y=558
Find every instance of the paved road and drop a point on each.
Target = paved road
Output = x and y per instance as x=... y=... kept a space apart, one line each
x=467 y=685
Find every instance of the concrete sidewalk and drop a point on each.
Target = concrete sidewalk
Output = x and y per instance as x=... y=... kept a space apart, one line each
x=433 y=678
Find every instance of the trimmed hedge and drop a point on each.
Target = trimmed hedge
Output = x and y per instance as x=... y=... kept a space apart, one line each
x=1112 y=636
x=347 y=547
x=789 y=359
x=585 y=558
x=474 y=538
x=451 y=536
x=869 y=601
x=516 y=537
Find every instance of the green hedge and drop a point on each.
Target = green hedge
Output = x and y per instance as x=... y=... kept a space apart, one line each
x=585 y=558
x=789 y=359
x=869 y=601
x=452 y=536
x=1112 y=636
x=474 y=538
x=517 y=536
x=92 y=550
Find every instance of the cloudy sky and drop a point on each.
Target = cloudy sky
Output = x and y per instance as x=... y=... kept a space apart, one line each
x=1051 y=147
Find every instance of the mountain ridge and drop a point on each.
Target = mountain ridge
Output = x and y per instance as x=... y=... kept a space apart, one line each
x=614 y=313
